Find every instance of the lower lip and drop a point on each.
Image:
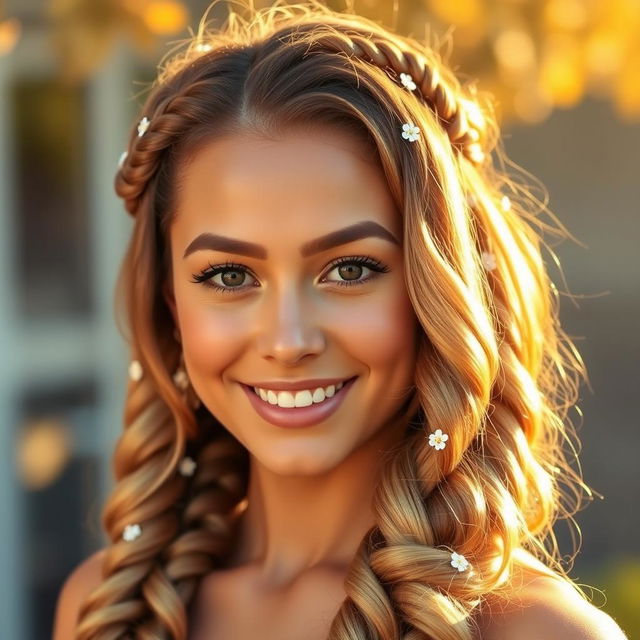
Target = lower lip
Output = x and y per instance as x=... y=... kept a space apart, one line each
x=297 y=416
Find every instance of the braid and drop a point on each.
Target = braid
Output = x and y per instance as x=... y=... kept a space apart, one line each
x=463 y=125
x=171 y=115
x=402 y=584
x=188 y=524
x=204 y=541
x=181 y=102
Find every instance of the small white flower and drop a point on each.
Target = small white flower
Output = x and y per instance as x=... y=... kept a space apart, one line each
x=123 y=157
x=438 y=439
x=505 y=203
x=181 y=379
x=407 y=81
x=203 y=47
x=143 y=125
x=459 y=561
x=489 y=260
x=131 y=532
x=187 y=466
x=135 y=370
x=410 y=131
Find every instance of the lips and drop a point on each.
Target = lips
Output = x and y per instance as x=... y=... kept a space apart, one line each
x=298 y=416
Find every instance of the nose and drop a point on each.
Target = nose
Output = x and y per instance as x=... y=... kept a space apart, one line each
x=290 y=328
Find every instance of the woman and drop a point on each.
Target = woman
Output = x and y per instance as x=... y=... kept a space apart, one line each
x=341 y=420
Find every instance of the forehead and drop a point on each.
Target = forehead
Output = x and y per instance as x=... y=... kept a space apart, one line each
x=304 y=183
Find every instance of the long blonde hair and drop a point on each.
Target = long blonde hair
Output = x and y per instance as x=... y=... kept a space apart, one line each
x=494 y=367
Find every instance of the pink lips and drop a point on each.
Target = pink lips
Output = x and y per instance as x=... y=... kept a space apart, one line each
x=297 y=416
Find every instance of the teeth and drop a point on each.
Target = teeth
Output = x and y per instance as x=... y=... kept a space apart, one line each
x=303 y=398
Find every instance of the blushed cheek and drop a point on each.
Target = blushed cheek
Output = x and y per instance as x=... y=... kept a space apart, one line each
x=212 y=340
x=383 y=335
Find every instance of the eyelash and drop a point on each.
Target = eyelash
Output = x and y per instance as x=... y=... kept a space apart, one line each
x=204 y=277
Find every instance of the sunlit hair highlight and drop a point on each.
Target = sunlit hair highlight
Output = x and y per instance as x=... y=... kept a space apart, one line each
x=494 y=369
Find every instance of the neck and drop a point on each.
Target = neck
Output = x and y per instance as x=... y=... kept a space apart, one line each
x=294 y=524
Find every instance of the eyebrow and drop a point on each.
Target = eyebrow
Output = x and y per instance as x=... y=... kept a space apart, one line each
x=358 y=231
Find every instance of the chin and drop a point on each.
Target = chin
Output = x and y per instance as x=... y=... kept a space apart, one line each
x=312 y=462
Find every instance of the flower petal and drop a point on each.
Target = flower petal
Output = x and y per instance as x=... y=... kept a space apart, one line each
x=135 y=370
x=143 y=125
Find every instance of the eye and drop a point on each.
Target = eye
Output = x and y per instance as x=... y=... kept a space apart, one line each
x=233 y=276
x=352 y=267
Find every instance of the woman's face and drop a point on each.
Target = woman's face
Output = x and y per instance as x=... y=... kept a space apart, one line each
x=297 y=303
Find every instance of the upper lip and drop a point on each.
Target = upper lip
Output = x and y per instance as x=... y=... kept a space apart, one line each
x=296 y=385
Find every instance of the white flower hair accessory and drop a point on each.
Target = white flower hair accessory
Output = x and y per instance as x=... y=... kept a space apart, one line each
x=135 y=370
x=181 y=379
x=131 y=532
x=410 y=132
x=438 y=439
x=407 y=81
x=187 y=466
x=122 y=158
x=143 y=125
x=489 y=260
x=459 y=562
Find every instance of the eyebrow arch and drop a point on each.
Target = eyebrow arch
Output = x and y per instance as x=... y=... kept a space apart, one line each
x=358 y=231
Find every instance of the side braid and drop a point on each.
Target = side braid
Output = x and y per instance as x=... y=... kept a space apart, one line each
x=210 y=513
x=127 y=565
x=400 y=584
x=188 y=526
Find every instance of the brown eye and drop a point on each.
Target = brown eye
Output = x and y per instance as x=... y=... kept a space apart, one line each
x=226 y=278
x=232 y=278
x=350 y=271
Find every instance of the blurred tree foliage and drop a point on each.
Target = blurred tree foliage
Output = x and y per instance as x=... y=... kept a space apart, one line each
x=533 y=56
x=620 y=583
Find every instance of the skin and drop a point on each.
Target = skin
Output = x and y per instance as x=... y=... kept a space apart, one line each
x=310 y=488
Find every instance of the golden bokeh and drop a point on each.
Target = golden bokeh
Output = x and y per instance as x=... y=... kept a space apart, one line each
x=43 y=451
x=534 y=56
x=166 y=17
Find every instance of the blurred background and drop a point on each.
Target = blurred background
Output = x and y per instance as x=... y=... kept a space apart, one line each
x=73 y=75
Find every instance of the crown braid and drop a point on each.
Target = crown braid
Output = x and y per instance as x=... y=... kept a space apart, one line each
x=463 y=125
x=174 y=108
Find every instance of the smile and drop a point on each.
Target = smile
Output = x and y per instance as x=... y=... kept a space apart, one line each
x=301 y=398
x=300 y=408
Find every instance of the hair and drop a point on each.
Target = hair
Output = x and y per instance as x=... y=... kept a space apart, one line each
x=493 y=363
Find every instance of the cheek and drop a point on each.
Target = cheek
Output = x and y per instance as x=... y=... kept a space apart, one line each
x=211 y=339
x=382 y=334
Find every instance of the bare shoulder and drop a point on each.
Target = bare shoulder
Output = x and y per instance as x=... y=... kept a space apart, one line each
x=541 y=606
x=80 y=582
